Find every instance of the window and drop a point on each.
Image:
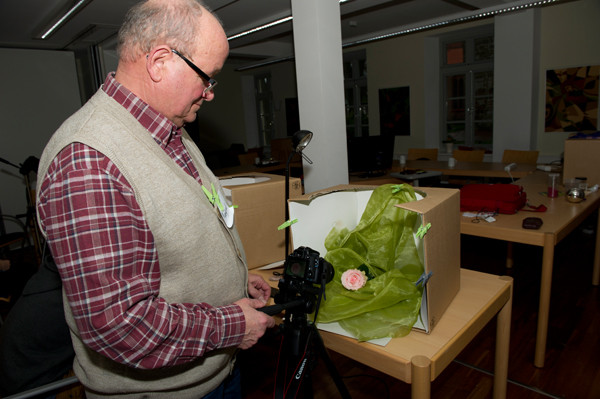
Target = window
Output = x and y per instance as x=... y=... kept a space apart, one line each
x=468 y=89
x=355 y=94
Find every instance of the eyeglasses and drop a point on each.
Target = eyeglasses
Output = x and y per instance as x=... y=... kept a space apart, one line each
x=211 y=82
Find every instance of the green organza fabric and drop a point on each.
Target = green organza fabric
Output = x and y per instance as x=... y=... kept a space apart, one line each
x=383 y=241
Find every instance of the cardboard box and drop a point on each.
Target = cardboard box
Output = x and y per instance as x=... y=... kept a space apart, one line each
x=342 y=206
x=260 y=201
x=581 y=160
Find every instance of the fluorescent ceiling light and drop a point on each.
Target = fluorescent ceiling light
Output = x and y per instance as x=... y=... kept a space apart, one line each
x=259 y=28
x=62 y=20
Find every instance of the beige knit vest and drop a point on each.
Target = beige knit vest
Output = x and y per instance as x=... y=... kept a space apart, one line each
x=201 y=260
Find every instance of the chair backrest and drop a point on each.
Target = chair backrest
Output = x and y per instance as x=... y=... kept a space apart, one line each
x=247 y=158
x=282 y=148
x=468 y=155
x=519 y=156
x=422 y=153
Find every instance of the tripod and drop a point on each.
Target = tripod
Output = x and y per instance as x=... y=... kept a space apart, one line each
x=300 y=345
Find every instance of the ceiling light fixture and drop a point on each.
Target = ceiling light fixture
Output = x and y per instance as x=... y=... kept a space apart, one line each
x=259 y=28
x=62 y=19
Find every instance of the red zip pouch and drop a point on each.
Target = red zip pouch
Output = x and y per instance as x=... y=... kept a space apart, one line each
x=499 y=198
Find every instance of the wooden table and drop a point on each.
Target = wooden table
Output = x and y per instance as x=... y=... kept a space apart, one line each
x=474 y=169
x=559 y=220
x=419 y=358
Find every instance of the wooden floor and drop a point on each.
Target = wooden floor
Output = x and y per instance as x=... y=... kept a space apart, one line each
x=572 y=368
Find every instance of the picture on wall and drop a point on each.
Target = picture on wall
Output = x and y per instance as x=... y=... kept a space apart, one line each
x=394 y=111
x=572 y=99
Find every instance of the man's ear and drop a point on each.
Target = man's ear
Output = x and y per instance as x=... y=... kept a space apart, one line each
x=156 y=62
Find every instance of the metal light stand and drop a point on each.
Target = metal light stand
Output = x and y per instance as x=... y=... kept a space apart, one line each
x=300 y=140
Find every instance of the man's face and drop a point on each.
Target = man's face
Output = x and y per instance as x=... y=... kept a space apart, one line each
x=188 y=89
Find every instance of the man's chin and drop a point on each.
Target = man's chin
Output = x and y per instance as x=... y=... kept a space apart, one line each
x=191 y=117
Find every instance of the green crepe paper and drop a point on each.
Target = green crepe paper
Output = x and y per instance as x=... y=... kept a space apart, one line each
x=389 y=303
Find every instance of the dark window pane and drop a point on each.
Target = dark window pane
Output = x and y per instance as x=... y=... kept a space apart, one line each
x=455 y=53
x=483 y=134
x=347 y=70
x=457 y=131
x=484 y=83
x=456 y=110
x=455 y=86
x=484 y=108
x=484 y=48
x=362 y=68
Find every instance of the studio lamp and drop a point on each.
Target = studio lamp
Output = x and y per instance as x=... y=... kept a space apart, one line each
x=300 y=140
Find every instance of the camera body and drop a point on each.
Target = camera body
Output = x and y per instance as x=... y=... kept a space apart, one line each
x=302 y=284
x=305 y=264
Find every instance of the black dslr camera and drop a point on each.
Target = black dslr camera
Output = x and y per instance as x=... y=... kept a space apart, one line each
x=306 y=265
x=303 y=281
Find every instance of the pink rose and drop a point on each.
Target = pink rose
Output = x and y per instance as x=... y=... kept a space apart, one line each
x=353 y=279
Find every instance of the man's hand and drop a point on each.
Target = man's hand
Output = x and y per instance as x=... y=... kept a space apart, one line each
x=256 y=322
x=258 y=288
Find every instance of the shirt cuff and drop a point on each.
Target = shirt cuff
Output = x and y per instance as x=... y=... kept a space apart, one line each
x=234 y=325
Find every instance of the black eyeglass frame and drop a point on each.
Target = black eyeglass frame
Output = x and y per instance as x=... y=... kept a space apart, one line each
x=211 y=82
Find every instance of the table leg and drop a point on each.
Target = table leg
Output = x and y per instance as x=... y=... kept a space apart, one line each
x=502 y=346
x=544 y=306
x=420 y=377
x=509 y=255
x=596 y=272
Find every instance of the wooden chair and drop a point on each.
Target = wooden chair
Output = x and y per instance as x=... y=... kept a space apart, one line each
x=247 y=158
x=422 y=153
x=468 y=156
x=281 y=150
x=520 y=157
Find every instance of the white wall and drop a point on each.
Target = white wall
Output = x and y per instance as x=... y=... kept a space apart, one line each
x=570 y=38
x=39 y=90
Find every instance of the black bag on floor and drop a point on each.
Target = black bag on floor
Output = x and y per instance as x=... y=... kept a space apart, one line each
x=35 y=343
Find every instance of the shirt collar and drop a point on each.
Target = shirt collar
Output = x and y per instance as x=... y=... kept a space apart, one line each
x=163 y=131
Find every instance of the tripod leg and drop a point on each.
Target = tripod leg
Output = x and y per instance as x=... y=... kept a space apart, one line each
x=337 y=379
x=293 y=375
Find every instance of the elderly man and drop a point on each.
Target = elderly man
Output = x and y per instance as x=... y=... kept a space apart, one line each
x=158 y=297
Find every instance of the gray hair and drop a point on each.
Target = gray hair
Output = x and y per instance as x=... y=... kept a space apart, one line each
x=149 y=23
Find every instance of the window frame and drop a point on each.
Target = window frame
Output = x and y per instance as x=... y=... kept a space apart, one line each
x=469 y=68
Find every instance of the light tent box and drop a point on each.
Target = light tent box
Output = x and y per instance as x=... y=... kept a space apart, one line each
x=581 y=160
x=342 y=206
x=260 y=209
